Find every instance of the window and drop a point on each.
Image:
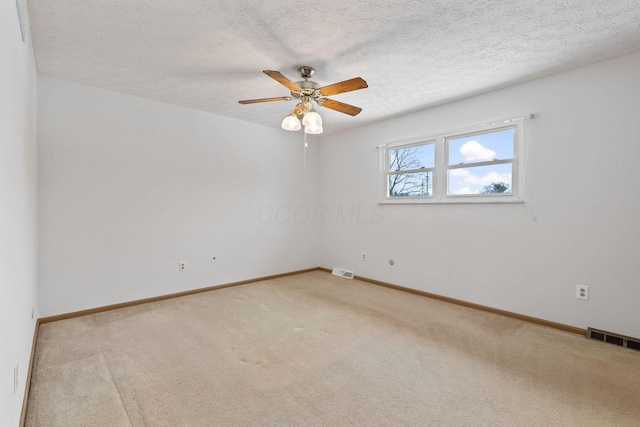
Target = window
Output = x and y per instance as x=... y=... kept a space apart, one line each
x=411 y=170
x=482 y=164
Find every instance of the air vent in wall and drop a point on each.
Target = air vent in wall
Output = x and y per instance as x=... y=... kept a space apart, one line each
x=342 y=273
x=612 y=338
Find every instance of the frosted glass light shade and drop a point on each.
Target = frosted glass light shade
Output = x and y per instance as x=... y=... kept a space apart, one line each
x=291 y=123
x=313 y=129
x=312 y=118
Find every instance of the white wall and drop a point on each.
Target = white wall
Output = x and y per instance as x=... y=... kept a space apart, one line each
x=18 y=209
x=129 y=187
x=580 y=223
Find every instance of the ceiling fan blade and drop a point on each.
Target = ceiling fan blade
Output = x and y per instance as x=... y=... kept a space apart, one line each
x=255 y=101
x=345 y=86
x=340 y=106
x=275 y=75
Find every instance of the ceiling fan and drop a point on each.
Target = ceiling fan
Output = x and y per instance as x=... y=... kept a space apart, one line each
x=305 y=91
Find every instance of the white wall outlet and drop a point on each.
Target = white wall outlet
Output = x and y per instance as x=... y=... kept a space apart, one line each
x=582 y=292
x=364 y=256
x=182 y=266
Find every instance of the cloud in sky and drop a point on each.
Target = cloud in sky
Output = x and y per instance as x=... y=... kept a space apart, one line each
x=465 y=190
x=473 y=151
x=459 y=173
x=470 y=179
x=488 y=178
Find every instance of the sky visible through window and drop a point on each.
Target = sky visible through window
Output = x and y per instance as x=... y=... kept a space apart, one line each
x=415 y=157
x=417 y=182
x=480 y=148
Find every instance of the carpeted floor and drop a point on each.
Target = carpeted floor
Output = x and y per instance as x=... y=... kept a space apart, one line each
x=317 y=350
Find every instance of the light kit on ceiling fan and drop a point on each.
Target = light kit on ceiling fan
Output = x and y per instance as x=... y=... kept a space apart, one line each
x=303 y=114
x=306 y=91
x=291 y=123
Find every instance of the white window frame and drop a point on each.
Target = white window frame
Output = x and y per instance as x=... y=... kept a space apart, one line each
x=388 y=173
x=441 y=165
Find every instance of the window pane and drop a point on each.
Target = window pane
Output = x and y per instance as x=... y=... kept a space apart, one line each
x=482 y=147
x=408 y=158
x=492 y=179
x=413 y=184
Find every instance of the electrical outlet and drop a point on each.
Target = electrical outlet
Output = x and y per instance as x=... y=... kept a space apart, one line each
x=582 y=292
x=182 y=266
x=364 y=256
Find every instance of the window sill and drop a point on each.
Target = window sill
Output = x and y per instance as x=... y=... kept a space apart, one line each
x=456 y=201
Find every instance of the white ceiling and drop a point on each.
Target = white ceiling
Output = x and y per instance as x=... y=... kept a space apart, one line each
x=208 y=54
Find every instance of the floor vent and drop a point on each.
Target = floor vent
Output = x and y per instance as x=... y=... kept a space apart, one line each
x=612 y=338
x=342 y=273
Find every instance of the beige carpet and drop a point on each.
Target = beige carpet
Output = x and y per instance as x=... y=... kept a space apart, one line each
x=317 y=350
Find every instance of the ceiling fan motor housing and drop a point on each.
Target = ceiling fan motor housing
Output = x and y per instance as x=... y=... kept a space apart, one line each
x=308 y=87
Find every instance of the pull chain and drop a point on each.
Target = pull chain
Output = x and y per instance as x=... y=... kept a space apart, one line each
x=306 y=145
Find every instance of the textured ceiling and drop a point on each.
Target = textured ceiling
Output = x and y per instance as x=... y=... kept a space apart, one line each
x=208 y=54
